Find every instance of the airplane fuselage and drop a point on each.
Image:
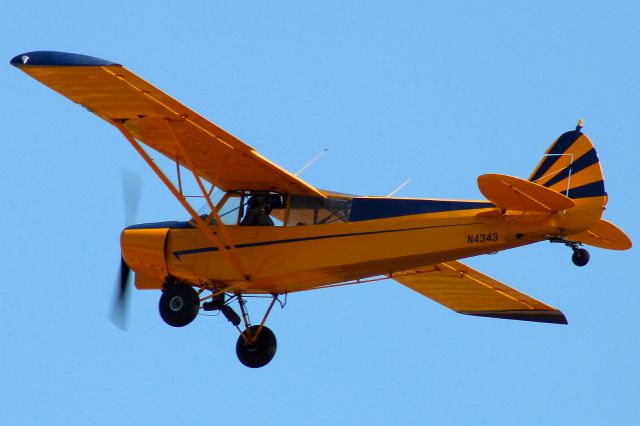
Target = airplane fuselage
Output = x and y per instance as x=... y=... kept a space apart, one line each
x=299 y=258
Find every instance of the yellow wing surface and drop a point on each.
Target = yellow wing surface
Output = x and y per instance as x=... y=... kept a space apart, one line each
x=155 y=119
x=467 y=291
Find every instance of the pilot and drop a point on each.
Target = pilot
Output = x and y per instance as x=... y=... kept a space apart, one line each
x=258 y=212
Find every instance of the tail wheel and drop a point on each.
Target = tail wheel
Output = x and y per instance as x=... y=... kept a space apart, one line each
x=256 y=351
x=179 y=305
x=580 y=257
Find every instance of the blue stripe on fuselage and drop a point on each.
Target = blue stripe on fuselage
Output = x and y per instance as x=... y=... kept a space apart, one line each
x=179 y=253
x=382 y=208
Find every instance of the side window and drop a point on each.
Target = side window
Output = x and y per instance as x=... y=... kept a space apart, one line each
x=306 y=210
x=336 y=210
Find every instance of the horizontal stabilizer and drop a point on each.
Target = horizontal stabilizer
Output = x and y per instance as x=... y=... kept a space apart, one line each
x=513 y=193
x=604 y=235
x=470 y=292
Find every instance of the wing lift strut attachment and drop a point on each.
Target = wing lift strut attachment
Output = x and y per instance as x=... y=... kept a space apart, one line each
x=180 y=303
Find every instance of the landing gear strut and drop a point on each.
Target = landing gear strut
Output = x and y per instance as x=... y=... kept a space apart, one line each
x=580 y=256
x=256 y=346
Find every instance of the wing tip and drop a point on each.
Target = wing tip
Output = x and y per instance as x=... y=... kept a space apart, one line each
x=550 y=317
x=48 y=58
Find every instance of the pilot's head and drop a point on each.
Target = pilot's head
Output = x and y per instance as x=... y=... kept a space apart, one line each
x=259 y=202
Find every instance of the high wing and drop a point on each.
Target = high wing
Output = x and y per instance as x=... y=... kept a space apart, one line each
x=467 y=291
x=155 y=119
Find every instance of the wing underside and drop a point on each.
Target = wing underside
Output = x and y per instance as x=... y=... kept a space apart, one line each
x=155 y=119
x=467 y=291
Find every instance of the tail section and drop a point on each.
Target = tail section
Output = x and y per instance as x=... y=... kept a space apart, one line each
x=604 y=234
x=512 y=193
x=571 y=167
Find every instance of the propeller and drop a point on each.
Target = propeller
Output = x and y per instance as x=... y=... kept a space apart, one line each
x=131 y=190
x=119 y=309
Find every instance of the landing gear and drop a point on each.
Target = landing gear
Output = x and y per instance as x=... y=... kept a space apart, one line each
x=580 y=256
x=179 y=305
x=256 y=347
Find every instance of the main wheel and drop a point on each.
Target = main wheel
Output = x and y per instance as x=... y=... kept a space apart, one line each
x=580 y=257
x=259 y=353
x=179 y=305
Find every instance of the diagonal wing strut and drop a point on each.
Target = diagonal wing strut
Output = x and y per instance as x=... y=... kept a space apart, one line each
x=229 y=253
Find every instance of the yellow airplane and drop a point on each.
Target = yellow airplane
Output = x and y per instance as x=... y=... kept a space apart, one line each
x=270 y=233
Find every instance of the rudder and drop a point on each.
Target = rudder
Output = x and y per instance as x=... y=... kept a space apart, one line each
x=571 y=167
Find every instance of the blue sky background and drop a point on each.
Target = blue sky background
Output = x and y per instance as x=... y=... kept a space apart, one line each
x=438 y=92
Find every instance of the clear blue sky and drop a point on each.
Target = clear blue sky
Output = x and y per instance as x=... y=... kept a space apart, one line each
x=438 y=92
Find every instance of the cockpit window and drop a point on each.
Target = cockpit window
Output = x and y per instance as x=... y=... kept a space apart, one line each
x=306 y=210
x=295 y=210
x=240 y=208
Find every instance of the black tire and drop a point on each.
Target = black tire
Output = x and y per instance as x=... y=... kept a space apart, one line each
x=179 y=305
x=580 y=257
x=261 y=352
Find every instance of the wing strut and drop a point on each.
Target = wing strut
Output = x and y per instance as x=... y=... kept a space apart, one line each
x=206 y=195
x=227 y=253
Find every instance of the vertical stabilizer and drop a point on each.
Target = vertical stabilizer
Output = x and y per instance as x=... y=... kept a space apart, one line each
x=571 y=167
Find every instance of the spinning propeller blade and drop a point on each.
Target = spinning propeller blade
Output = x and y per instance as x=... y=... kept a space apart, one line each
x=131 y=189
x=119 y=310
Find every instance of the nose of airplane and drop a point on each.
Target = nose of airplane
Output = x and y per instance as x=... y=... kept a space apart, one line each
x=143 y=249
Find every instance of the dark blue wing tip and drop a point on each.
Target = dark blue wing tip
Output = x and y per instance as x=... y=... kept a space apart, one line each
x=60 y=59
x=551 y=317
